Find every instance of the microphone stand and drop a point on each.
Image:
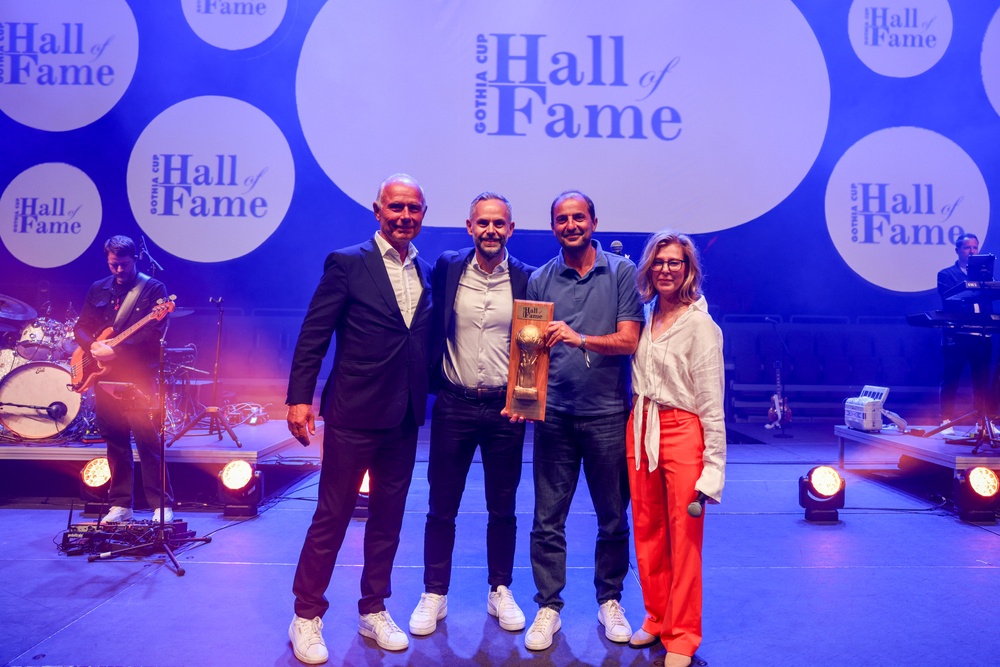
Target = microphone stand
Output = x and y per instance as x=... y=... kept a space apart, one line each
x=779 y=408
x=216 y=423
x=153 y=264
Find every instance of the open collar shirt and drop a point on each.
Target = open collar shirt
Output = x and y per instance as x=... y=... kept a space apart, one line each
x=403 y=275
x=478 y=355
x=683 y=368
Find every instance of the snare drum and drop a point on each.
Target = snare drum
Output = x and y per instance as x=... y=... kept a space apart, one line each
x=42 y=339
x=9 y=360
x=49 y=406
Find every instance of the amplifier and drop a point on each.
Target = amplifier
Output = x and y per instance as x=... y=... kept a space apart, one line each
x=864 y=412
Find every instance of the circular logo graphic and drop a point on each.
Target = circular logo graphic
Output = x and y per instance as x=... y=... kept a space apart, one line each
x=991 y=62
x=233 y=24
x=210 y=179
x=896 y=202
x=49 y=215
x=900 y=38
x=65 y=63
x=680 y=103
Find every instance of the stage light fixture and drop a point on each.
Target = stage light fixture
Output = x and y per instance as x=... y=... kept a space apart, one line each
x=821 y=494
x=977 y=495
x=361 y=506
x=97 y=473
x=239 y=487
x=95 y=482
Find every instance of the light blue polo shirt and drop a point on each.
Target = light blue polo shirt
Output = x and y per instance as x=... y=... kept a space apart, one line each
x=592 y=305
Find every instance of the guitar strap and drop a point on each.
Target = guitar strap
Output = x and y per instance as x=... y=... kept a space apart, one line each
x=128 y=303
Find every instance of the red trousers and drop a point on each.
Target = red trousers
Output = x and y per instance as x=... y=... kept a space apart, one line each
x=667 y=539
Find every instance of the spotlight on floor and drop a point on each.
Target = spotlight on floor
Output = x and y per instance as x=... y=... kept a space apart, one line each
x=977 y=495
x=240 y=487
x=821 y=494
x=95 y=482
x=361 y=506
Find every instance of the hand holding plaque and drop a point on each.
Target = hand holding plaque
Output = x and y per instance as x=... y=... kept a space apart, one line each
x=528 y=376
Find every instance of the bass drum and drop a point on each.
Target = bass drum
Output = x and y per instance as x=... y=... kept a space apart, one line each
x=43 y=387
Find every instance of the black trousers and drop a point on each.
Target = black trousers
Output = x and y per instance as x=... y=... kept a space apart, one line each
x=957 y=351
x=458 y=426
x=388 y=455
x=117 y=420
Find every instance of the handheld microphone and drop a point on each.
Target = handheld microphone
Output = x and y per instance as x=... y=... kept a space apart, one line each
x=616 y=247
x=697 y=507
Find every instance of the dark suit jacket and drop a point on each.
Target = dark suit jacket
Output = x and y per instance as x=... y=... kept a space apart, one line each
x=447 y=272
x=379 y=365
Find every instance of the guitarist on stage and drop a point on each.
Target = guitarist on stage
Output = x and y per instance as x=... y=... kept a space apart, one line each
x=112 y=305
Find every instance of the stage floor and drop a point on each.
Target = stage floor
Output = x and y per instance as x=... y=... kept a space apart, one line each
x=899 y=581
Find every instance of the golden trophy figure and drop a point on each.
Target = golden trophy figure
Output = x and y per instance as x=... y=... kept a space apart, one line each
x=528 y=377
x=531 y=343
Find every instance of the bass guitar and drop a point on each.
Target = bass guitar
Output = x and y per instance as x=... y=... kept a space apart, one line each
x=779 y=413
x=86 y=370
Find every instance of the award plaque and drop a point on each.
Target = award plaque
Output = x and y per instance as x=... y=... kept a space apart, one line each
x=528 y=377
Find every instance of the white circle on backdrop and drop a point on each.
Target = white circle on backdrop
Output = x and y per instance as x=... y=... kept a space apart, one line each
x=900 y=38
x=49 y=214
x=65 y=63
x=210 y=179
x=234 y=25
x=897 y=200
x=990 y=62
x=391 y=86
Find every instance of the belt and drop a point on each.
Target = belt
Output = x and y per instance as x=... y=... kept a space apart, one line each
x=477 y=393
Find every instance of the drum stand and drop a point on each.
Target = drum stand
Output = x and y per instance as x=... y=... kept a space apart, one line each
x=216 y=422
x=160 y=537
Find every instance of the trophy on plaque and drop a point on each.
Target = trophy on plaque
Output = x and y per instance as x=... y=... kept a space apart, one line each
x=528 y=376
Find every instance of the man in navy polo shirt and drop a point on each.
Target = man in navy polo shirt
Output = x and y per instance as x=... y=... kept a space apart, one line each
x=595 y=330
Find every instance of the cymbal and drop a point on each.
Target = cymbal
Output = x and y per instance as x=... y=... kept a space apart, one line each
x=181 y=312
x=15 y=309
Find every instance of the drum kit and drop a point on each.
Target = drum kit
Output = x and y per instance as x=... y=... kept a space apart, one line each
x=36 y=401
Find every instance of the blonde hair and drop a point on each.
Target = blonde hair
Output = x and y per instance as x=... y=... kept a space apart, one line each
x=690 y=290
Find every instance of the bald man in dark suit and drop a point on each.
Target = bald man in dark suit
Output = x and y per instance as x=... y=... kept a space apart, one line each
x=375 y=298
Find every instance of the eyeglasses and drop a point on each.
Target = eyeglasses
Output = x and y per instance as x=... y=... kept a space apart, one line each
x=671 y=265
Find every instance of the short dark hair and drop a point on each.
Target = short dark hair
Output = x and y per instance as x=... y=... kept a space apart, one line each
x=122 y=246
x=963 y=238
x=567 y=195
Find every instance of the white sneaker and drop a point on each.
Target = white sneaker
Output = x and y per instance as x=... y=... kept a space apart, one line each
x=307 y=640
x=612 y=617
x=502 y=605
x=168 y=515
x=117 y=514
x=431 y=609
x=380 y=627
x=539 y=635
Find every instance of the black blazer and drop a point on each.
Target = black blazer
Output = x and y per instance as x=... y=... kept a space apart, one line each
x=447 y=272
x=379 y=365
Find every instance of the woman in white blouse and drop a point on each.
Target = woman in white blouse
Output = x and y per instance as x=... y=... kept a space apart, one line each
x=676 y=443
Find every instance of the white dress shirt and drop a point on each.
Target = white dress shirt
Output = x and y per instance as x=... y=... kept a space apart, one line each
x=478 y=356
x=683 y=368
x=403 y=275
